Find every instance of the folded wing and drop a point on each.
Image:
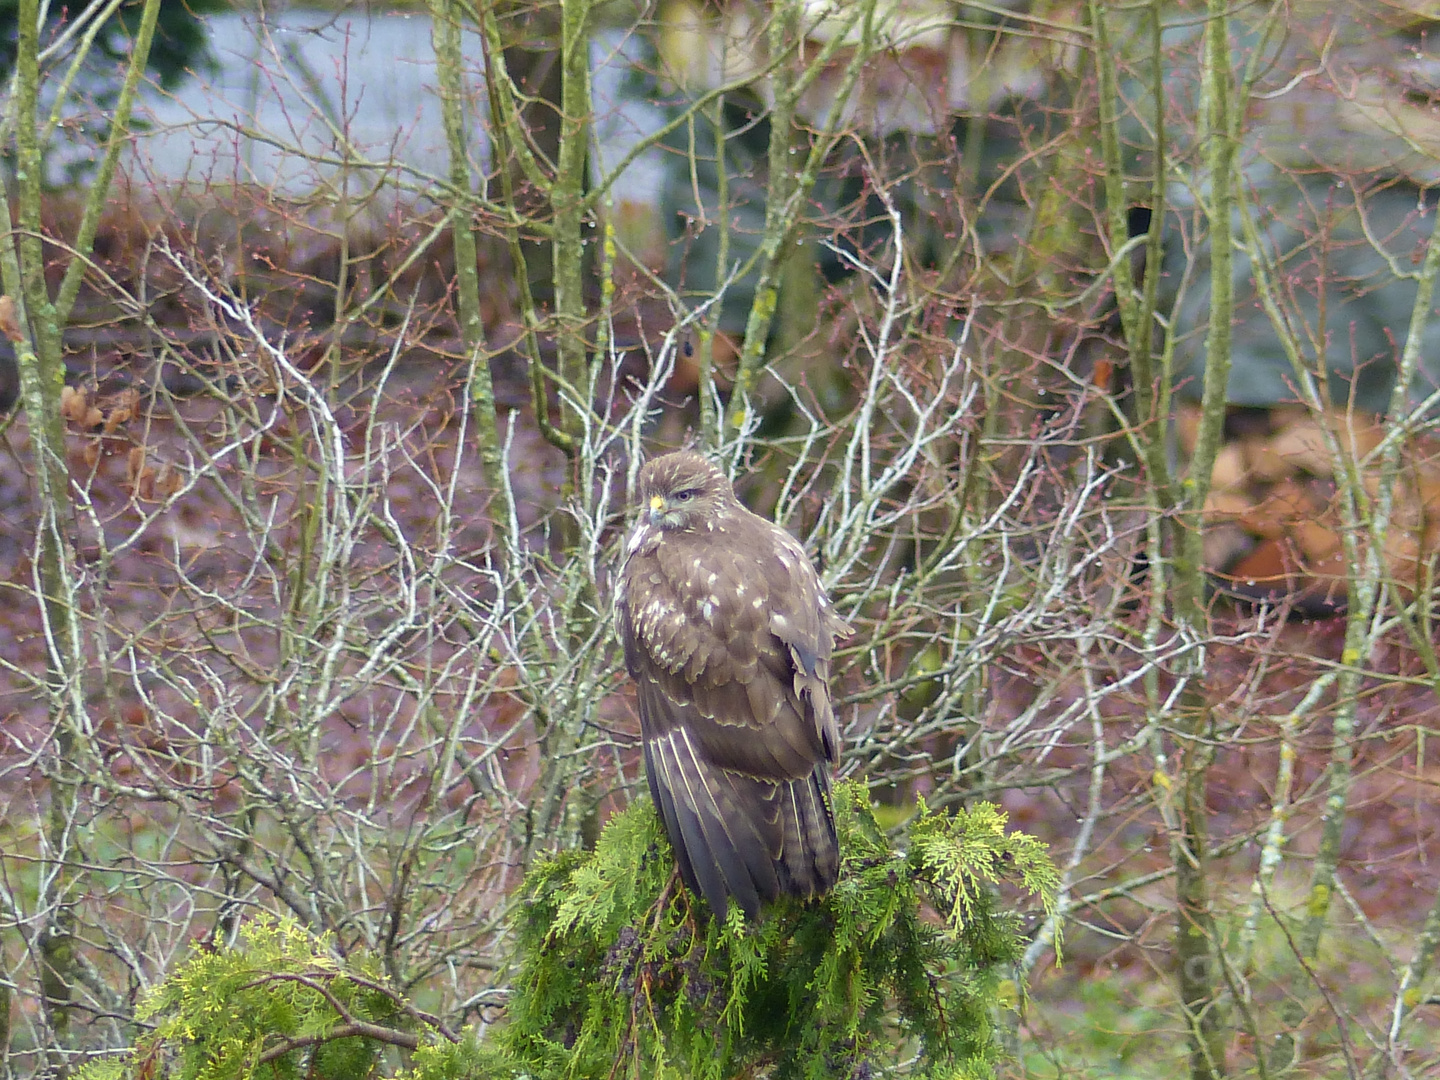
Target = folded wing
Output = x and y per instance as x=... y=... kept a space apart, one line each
x=730 y=646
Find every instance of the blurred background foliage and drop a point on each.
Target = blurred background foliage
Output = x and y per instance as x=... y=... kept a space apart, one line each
x=181 y=48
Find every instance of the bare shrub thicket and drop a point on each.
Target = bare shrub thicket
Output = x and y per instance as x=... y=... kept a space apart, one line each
x=308 y=569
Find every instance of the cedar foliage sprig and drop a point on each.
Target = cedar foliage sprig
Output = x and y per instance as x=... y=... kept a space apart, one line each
x=621 y=973
x=279 y=1004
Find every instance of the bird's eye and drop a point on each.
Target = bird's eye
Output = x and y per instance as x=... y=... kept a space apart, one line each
x=684 y=496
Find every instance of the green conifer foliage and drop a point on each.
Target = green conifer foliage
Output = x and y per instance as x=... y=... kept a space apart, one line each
x=620 y=972
x=623 y=973
x=278 y=1005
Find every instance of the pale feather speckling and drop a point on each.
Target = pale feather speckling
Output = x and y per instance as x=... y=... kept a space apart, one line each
x=728 y=635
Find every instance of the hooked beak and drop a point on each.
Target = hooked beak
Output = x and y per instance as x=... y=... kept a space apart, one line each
x=657 y=509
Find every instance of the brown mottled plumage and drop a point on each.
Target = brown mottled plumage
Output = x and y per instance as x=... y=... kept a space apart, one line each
x=728 y=636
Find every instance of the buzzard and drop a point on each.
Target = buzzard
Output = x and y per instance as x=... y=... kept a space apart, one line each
x=728 y=635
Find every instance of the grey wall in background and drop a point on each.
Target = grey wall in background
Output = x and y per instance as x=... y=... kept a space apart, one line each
x=293 y=78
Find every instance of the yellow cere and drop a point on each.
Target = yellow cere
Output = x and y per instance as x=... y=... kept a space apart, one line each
x=656 y=502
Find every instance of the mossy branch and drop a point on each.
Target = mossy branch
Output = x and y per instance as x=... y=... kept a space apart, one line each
x=568 y=206
x=445 y=23
x=34 y=324
x=99 y=188
x=788 y=188
x=1195 y=941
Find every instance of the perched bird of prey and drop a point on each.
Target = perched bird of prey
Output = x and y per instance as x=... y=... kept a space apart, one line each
x=728 y=635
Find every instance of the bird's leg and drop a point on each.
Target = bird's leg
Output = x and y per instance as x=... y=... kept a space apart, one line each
x=659 y=906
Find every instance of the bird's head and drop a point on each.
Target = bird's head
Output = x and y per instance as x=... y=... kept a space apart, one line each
x=681 y=489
